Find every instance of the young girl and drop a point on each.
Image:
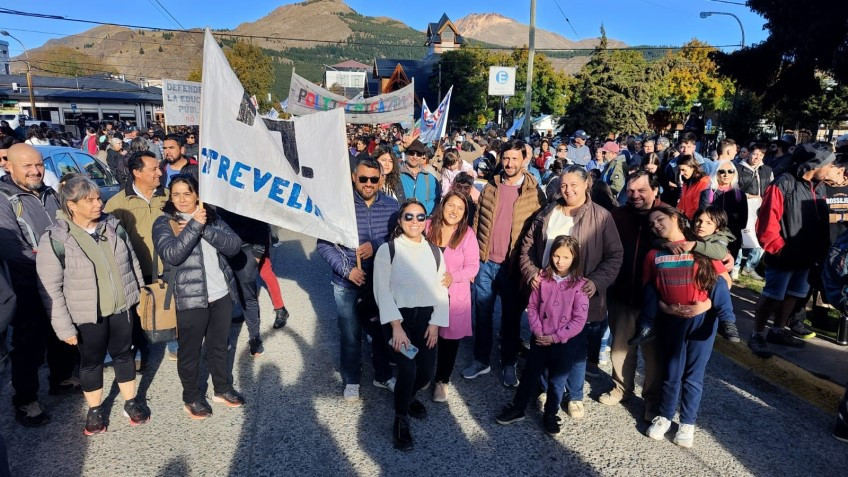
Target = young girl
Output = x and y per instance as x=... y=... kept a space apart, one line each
x=413 y=303
x=712 y=240
x=557 y=312
x=451 y=166
x=680 y=289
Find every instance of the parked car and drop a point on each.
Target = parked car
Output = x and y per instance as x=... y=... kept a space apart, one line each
x=63 y=160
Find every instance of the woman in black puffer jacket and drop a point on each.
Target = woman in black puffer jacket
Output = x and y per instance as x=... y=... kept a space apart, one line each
x=193 y=244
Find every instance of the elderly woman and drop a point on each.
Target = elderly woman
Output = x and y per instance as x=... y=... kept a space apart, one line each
x=193 y=240
x=724 y=193
x=575 y=214
x=89 y=280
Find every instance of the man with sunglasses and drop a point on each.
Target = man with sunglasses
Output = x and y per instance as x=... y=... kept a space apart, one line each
x=507 y=206
x=191 y=146
x=418 y=179
x=353 y=279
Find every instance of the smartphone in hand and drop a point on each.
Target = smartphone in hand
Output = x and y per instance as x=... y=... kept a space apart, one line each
x=408 y=351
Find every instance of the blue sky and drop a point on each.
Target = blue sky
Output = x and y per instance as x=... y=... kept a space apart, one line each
x=636 y=22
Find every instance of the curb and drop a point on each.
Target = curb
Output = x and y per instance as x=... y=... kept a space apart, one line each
x=819 y=392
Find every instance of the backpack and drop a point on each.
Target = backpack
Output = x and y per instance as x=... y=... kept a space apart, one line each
x=18 y=209
x=59 y=248
x=436 y=253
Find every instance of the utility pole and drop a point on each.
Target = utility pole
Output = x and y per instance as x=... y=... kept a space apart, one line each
x=28 y=74
x=528 y=120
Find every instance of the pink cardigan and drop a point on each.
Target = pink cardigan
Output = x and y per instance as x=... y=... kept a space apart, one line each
x=558 y=309
x=462 y=263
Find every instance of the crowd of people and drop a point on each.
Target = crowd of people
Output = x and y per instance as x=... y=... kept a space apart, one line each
x=607 y=246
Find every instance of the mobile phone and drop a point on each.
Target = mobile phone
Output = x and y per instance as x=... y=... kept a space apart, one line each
x=408 y=351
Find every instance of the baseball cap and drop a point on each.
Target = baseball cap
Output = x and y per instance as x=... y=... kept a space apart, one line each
x=611 y=146
x=581 y=134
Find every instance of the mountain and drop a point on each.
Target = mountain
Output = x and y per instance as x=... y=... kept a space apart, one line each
x=497 y=29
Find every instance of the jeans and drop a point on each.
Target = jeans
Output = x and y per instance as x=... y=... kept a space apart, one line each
x=356 y=310
x=245 y=269
x=556 y=360
x=209 y=326
x=754 y=255
x=597 y=337
x=493 y=281
x=686 y=345
x=577 y=348
x=113 y=334
x=413 y=374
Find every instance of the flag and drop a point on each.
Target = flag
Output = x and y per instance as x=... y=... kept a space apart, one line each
x=273 y=114
x=516 y=126
x=433 y=124
x=292 y=174
x=285 y=105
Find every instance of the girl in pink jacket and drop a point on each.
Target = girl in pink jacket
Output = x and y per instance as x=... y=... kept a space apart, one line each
x=557 y=312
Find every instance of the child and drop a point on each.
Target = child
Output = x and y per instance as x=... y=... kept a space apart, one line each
x=557 y=312
x=711 y=228
x=451 y=166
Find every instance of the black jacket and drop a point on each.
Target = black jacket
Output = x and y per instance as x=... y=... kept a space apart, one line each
x=754 y=181
x=184 y=252
x=251 y=231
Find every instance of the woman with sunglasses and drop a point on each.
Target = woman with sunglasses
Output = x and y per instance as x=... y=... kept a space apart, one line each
x=725 y=194
x=408 y=287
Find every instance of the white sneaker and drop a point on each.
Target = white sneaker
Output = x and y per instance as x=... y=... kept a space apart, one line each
x=390 y=384
x=659 y=427
x=576 y=410
x=685 y=435
x=541 y=401
x=734 y=275
x=351 y=392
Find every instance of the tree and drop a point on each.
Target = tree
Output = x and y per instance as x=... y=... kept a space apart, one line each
x=66 y=61
x=141 y=51
x=613 y=93
x=254 y=69
x=551 y=91
x=160 y=49
x=690 y=75
x=803 y=43
x=467 y=69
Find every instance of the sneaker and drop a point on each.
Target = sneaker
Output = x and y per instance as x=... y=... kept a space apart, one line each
x=752 y=274
x=659 y=426
x=734 y=275
x=95 y=422
x=67 y=386
x=510 y=414
x=172 y=355
x=440 y=394
x=541 y=401
x=613 y=397
x=388 y=384
x=256 y=348
x=476 y=369
x=510 y=376
x=417 y=409
x=592 y=370
x=685 y=435
x=401 y=434
x=801 y=330
x=551 y=423
x=576 y=410
x=351 y=392
x=729 y=331
x=198 y=410
x=31 y=415
x=650 y=414
x=282 y=318
x=783 y=337
x=230 y=398
x=759 y=347
x=137 y=412
x=643 y=335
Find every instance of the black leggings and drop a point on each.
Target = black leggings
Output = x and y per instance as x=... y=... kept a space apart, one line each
x=111 y=333
x=413 y=374
x=446 y=359
x=211 y=326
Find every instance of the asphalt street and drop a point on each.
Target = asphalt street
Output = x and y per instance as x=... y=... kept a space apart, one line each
x=296 y=423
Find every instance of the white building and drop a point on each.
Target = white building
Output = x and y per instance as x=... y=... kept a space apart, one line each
x=5 y=64
x=350 y=75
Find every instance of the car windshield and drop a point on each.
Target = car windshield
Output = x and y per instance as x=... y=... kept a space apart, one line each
x=96 y=170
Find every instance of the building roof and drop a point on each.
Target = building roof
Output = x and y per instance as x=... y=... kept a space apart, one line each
x=353 y=65
x=434 y=31
x=100 y=88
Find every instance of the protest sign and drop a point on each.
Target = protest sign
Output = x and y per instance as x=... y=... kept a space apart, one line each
x=433 y=124
x=181 y=102
x=293 y=174
x=395 y=107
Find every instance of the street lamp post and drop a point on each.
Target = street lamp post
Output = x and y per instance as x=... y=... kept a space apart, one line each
x=707 y=14
x=28 y=75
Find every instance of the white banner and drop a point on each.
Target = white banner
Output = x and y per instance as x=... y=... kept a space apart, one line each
x=395 y=107
x=749 y=234
x=501 y=81
x=181 y=102
x=433 y=124
x=287 y=173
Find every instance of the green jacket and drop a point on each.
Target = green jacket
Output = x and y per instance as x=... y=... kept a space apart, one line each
x=137 y=217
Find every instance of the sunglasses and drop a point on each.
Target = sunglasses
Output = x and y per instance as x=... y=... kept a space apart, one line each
x=415 y=153
x=418 y=217
x=366 y=179
x=726 y=171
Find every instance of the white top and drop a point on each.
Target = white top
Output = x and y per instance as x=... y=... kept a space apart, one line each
x=410 y=280
x=558 y=224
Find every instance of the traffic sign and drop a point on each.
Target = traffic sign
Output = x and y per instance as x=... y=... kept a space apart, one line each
x=501 y=81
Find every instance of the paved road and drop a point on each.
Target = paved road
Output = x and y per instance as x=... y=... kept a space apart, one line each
x=295 y=422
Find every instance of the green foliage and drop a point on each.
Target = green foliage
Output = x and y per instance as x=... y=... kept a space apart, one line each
x=167 y=35
x=690 y=75
x=141 y=51
x=88 y=45
x=254 y=69
x=551 y=90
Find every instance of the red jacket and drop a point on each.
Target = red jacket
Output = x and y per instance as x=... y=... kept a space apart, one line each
x=690 y=196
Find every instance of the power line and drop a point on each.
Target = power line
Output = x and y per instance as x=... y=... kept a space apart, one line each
x=567 y=20
x=173 y=18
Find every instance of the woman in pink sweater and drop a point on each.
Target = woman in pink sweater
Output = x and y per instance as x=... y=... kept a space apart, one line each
x=448 y=229
x=557 y=313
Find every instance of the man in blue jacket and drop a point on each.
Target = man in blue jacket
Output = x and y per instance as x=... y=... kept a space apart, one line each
x=418 y=179
x=352 y=283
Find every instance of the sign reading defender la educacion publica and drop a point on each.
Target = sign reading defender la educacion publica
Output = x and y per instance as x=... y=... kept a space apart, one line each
x=501 y=81
x=181 y=102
